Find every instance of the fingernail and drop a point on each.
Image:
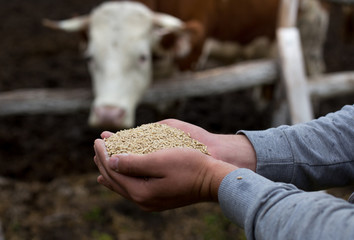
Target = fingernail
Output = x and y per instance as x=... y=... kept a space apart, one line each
x=113 y=163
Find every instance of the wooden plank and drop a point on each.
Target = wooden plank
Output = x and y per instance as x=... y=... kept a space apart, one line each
x=331 y=85
x=340 y=1
x=210 y=82
x=63 y=101
x=48 y=101
x=293 y=75
x=214 y=81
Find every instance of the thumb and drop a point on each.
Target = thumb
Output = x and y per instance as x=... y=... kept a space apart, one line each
x=136 y=165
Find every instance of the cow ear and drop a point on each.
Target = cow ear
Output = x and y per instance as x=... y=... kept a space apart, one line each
x=166 y=22
x=176 y=36
x=176 y=42
x=75 y=24
x=194 y=32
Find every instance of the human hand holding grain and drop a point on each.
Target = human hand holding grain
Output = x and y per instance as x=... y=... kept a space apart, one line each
x=231 y=148
x=164 y=179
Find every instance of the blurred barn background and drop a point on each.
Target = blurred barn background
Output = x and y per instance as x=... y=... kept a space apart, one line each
x=48 y=184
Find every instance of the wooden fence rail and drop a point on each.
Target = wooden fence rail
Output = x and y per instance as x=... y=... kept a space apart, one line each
x=216 y=81
x=209 y=82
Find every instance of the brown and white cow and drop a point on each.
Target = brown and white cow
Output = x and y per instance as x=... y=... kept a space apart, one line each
x=121 y=38
x=124 y=35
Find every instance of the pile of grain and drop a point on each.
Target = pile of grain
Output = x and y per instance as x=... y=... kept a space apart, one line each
x=149 y=138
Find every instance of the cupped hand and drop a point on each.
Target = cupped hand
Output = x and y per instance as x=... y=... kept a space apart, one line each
x=164 y=179
x=231 y=148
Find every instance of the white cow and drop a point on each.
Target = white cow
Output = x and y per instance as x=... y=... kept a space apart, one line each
x=121 y=36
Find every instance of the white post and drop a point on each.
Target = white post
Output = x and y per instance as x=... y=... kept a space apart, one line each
x=292 y=65
x=293 y=73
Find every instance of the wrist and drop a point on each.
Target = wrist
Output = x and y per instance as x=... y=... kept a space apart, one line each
x=246 y=153
x=236 y=150
x=218 y=171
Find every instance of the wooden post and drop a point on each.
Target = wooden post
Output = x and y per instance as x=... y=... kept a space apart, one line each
x=293 y=75
x=287 y=15
x=292 y=63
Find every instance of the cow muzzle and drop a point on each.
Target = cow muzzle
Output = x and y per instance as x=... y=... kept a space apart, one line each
x=111 y=117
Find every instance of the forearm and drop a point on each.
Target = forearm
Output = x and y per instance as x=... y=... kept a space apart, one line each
x=314 y=155
x=268 y=210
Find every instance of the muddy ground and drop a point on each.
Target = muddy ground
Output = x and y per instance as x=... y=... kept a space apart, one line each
x=48 y=186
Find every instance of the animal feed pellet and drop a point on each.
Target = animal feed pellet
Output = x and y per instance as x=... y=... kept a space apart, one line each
x=149 y=138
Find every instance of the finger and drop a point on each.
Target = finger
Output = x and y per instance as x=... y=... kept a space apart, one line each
x=95 y=159
x=194 y=131
x=169 y=121
x=100 y=149
x=132 y=188
x=101 y=157
x=110 y=178
x=175 y=123
x=127 y=187
x=135 y=165
x=102 y=181
x=108 y=184
x=106 y=134
x=113 y=186
x=156 y=165
x=101 y=168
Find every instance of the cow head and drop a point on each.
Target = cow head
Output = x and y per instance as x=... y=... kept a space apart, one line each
x=121 y=38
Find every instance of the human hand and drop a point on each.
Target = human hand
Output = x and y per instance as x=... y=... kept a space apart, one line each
x=231 y=148
x=164 y=179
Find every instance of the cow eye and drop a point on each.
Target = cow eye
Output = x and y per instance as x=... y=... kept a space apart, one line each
x=142 y=58
x=88 y=58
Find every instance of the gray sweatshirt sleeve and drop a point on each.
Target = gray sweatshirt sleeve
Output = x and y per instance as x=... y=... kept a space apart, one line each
x=269 y=210
x=314 y=155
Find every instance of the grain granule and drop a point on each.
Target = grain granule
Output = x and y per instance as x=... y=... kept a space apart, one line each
x=149 y=138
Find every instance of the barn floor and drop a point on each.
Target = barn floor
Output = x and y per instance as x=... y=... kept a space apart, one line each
x=48 y=186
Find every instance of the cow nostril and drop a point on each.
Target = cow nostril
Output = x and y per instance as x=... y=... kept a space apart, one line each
x=109 y=115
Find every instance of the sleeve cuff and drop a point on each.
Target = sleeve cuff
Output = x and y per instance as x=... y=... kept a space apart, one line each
x=274 y=156
x=239 y=194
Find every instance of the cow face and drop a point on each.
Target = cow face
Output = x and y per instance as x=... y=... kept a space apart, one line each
x=121 y=36
x=119 y=61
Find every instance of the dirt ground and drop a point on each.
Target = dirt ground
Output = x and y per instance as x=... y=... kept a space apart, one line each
x=48 y=186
